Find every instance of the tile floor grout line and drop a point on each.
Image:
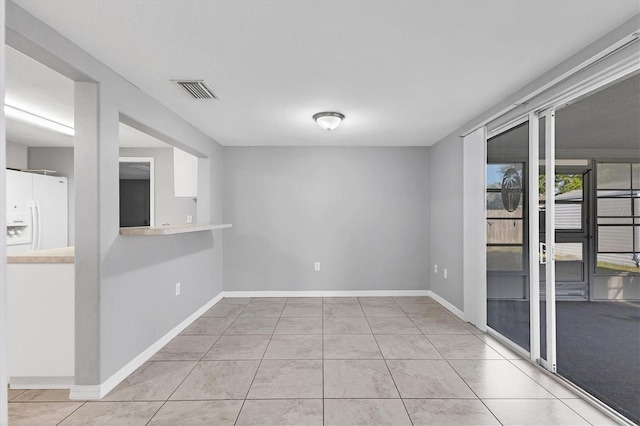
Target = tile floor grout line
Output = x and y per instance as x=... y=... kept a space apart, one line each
x=540 y=384
x=195 y=366
x=513 y=362
x=458 y=374
x=15 y=396
x=578 y=414
x=322 y=337
x=470 y=388
x=244 y=400
x=390 y=374
x=533 y=378
x=71 y=413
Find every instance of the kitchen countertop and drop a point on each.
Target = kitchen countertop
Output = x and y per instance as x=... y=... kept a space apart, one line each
x=171 y=229
x=56 y=255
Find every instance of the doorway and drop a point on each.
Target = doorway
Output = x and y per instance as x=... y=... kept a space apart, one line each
x=40 y=110
x=137 y=189
x=572 y=233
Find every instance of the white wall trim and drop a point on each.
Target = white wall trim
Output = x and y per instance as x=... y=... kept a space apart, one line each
x=348 y=293
x=53 y=382
x=352 y=293
x=90 y=392
x=336 y=293
x=457 y=312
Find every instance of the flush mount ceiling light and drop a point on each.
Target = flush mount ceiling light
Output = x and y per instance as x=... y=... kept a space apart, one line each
x=36 y=120
x=328 y=120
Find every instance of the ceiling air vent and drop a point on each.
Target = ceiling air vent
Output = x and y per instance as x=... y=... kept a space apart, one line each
x=198 y=89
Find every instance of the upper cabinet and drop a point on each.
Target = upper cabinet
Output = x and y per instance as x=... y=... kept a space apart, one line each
x=185 y=174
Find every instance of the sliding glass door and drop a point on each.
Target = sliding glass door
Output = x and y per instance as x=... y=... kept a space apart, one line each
x=519 y=253
x=508 y=236
x=563 y=240
x=598 y=313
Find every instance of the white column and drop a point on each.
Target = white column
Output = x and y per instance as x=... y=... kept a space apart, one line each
x=87 y=256
x=474 y=234
x=3 y=237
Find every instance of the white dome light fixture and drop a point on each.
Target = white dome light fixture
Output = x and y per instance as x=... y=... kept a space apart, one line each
x=328 y=120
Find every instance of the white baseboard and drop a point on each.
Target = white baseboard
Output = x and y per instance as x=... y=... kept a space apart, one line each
x=84 y=392
x=350 y=293
x=457 y=312
x=94 y=392
x=46 y=382
x=91 y=392
x=330 y=293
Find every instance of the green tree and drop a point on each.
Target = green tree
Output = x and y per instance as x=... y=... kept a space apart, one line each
x=564 y=183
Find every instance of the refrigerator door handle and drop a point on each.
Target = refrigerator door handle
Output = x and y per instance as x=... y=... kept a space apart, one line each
x=39 y=225
x=34 y=225
x=39 y=233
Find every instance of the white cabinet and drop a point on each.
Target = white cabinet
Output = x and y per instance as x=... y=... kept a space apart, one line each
x=41 y=325
x=185 y=174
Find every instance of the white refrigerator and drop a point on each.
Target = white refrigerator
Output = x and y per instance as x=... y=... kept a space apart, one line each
x=37 y=211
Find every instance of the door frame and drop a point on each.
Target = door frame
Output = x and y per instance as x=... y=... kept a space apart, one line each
x=534 y=247
x=584 y=235
x=152 y=179
x=548 y=256
x=534 y=233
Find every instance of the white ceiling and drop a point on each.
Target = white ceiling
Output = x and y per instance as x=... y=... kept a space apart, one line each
x=404 y=73
x=32 y=87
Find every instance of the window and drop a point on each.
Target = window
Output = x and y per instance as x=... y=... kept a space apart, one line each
x=505 y=220
x=618 y=218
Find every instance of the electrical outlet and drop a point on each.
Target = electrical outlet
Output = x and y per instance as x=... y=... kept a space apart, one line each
x=435 y=268
x=177 y=289
x=189 y=219
x=444 y=273
x=316 y=266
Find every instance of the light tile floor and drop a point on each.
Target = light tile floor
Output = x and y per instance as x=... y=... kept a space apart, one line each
x=315 y=361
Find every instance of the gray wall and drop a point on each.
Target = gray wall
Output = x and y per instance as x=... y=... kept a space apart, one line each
x=60 y=160
x=16 y=156
x=363 y=213
x=125 y=298
x=168 y=209
x=138 y=299
x=446 y=220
